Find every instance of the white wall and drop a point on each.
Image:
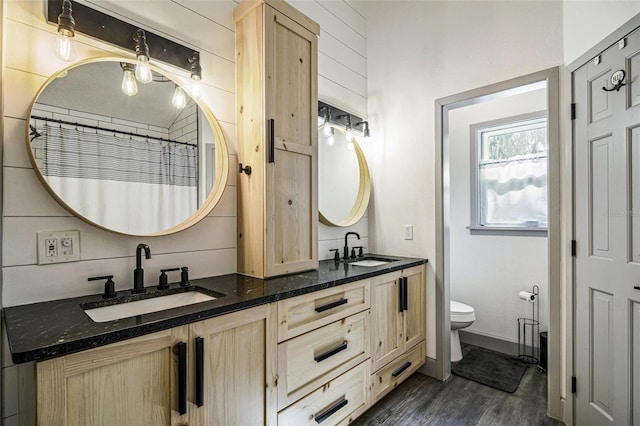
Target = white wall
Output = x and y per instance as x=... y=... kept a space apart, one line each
x=488 y=271
x=431 y=50
x=585 y=23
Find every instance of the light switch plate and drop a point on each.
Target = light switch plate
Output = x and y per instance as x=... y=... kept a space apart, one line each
x=58 y=247
x=408 y=232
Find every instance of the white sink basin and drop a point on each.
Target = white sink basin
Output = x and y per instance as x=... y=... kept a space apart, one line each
x=146 y=306
x=369 y=262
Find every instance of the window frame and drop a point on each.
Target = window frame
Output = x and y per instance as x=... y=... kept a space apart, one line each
x=475 y=227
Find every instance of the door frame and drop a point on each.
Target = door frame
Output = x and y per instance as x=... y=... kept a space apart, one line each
x=569 y=204
x=554 y=235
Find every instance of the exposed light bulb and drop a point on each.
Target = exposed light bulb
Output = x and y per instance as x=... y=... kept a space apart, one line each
x=327 y=129
x=65 y=48
x=66 y=30
x=143 y=71
x=330 y=136
x=349 y=135
x=195 y=89
x=129 y=85
x=331 y=140
x=196 y=74
x=179 y=98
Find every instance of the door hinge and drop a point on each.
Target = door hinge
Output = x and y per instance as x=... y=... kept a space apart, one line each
x=573 y=384
x=573 y=111
x=573 y=248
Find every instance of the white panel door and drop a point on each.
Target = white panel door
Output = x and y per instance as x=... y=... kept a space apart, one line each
x=607 y=230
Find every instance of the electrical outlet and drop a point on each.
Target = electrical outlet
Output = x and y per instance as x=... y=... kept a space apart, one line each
x=408 y=232
x=58 y=246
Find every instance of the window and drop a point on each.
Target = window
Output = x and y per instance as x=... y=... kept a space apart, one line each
x=509 y=186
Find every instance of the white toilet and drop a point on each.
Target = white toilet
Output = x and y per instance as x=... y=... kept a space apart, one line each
x=461 y=316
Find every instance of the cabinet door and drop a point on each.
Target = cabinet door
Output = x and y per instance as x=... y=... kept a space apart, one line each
x=386 y=320
x=239 y=373
x=133 y=382
x=414 y=316
x=291 y=173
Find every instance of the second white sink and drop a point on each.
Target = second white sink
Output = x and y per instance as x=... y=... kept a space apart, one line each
x=369 y=262
x=146 y=306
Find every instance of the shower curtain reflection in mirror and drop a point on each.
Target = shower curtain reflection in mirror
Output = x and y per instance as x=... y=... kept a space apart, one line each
x=119 y=180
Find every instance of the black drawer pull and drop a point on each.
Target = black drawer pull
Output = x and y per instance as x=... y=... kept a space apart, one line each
x=402 y=369
x=331 y=352
x=199 y=371
x=401 y=295
x=326 y=414
x=182 y=378
x=331 y=305
x=272 y=140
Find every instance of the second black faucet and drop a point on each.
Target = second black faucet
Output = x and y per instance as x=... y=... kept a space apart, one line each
x=138 y=273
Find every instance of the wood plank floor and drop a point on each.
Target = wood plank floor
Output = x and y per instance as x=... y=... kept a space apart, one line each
x=422 y=400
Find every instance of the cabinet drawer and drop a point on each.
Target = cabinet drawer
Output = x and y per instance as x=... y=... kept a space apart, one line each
x=308 y=361
x=301 y=314
x=396 y=372
x=338 y=402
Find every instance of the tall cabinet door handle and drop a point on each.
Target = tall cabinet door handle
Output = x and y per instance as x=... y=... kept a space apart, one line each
x=401 y=295
x=199 y=371
x=182 y=377
x=405 y=303
x=272 y=140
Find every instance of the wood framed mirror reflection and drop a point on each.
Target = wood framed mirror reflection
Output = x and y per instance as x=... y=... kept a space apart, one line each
x=136 y=164
x=344 y=182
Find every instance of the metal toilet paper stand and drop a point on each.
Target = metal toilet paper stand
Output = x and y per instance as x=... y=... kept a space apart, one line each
x=528 y=328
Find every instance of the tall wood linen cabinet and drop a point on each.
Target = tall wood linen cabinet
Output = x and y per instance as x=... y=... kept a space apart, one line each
x=277 y=97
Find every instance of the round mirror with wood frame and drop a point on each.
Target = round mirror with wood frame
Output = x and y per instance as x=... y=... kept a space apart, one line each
x=344 y=183
x=135 y=164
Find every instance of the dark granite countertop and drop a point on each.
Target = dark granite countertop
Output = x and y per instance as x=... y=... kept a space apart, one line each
x=45 y=330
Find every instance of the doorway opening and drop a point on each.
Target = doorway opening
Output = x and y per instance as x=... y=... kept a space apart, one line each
x=447 y=109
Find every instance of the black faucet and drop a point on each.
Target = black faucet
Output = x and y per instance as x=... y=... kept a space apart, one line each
x=346 y=246
x=138 y=273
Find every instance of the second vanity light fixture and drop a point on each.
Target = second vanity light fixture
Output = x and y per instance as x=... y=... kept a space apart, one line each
x=328 y=115
x=72 y=18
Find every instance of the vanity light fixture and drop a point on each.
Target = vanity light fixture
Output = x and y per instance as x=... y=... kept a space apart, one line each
x=143 y=71
x=129 y=85
x=330 y=116
x=196 y=74
x=101 y=26
x=66 y=30
x=179 y=97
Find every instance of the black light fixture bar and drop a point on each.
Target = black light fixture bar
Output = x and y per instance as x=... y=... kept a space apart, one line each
x=104 y=27
x=337 y=116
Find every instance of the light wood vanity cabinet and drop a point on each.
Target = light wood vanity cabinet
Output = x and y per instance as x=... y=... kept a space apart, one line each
x=323 y=356
x=277 y=96
x=137 y=381
x=398 y=327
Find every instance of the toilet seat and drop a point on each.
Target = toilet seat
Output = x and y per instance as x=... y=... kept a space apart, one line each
x=461 y=312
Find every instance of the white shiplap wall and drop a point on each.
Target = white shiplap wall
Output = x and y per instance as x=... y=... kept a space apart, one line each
x=208 y=248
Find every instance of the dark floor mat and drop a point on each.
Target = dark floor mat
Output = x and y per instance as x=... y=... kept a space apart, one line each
x=491 y=368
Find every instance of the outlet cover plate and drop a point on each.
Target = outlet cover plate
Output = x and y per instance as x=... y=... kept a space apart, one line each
x=58 y=247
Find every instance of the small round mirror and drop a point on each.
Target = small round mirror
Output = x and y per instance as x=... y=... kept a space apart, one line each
x=133 y=158
x=344 y=184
